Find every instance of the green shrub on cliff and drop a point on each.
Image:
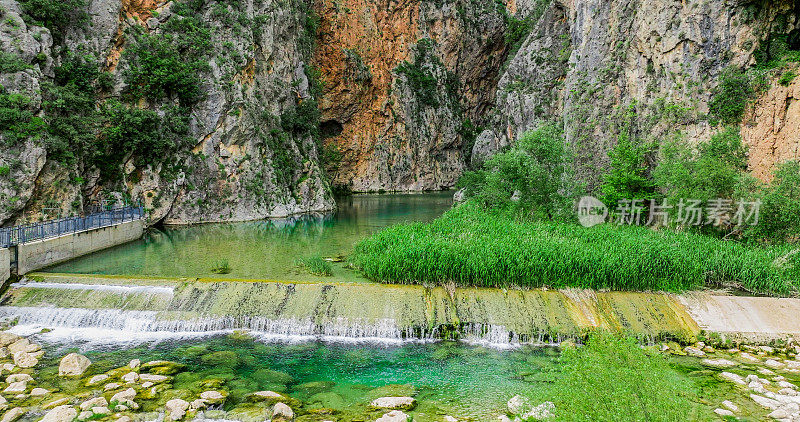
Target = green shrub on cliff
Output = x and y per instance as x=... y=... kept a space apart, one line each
x=780 y=209
x=17 y=121
x=55 y=15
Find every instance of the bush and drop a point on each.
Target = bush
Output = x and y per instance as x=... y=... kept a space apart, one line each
x=627 y=176
x=17 y=121
x=613 y=379
x=471 y=246
x=730 y=97
x=158 y=70
x=12 y=63
x=533 y=177
x=780 y=211
x=55 y=15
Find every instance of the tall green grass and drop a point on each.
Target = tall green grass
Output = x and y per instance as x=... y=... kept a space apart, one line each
x=471 y=246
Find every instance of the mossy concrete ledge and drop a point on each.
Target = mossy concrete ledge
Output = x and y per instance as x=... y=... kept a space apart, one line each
x=396 y=311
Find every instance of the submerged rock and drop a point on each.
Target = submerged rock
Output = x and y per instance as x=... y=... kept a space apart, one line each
x=402 y=403
x=268 y=396
x=162 y=367
x=393 y=416
x=73 y=364
x=213 y=397
x=718 y=363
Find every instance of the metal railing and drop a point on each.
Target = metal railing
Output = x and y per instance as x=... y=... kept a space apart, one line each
x=12 y=236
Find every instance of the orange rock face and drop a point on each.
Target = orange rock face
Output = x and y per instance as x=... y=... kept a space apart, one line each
x=386 y=140
x=770 y=129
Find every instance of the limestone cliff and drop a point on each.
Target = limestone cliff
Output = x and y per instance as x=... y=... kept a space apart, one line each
x=272 y=102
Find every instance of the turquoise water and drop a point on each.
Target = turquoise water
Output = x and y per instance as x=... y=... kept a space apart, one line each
x=445 y=378
x=269 y=249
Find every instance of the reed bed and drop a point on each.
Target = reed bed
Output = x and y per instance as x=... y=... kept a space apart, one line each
x=473 y=247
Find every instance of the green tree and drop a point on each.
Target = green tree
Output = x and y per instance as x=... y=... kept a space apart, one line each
x=779 y=218
x=628 y=174
x=534 y=177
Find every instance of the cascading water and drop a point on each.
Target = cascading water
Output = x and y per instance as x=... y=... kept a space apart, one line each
x=106 y=312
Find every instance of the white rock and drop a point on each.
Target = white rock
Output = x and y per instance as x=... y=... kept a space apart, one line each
x=694 y=351
x=111 y=386
x=84 y=415
x=95 y=402
x=786 y=384
x=25 y=360
x=757 y=387
x=63 y=413
x=718 y=363
x=774 y=364
x=765 y=371
x=18 y=377
x=16 y=387
x=8 y=367
x=101 y=410
x=723 y=412
x=198 y=404
x=21 y=345
x=147 y=384
x=730 y=406
x=212 y=396
x=176 y=409
x=3 y=403
x=393 y=416
x=503 y=418
x=73 y=364
x=734 y=378
x=406 y=403
x=767 y=349
x=765 y=402
x=780 y=414
x=97 y=379
x=130 y=377
x=155 y=379
x=124 y=396
x=12 y=415
x=39 y=392
x=54 y=403
x=788 y=392
x=517 y=405
x=133 y=364
x=750 y=358
x=268 y=395
x=124 y=419
x=281 y=410
x=448 y=418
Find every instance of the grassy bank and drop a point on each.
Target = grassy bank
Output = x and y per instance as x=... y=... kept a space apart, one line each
x=471 y=246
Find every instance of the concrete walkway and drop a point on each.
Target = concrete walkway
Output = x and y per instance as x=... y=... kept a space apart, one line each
x=751 y=319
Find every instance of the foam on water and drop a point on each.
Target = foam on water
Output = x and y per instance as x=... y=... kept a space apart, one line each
x=162 y=290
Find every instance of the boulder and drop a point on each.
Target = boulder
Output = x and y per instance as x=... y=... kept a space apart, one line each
x=133 y=364
x=96 y=380
x=718 y=363
x=64 y=413
x=393 y=416
x=161 y=367
x=39 y=392
x=130 y=377
x=16 y=387
x=111 y=386
x=124 y=396
x=213 y=397
x=24 y=359
x=282 y=412
x=176 y=409
x=12 y=415
x=774 y=364
x=95 y=402
x=198 y=404
x=18 y=377
x=517 y=405
x=155 y=379
x=269 y=396
x=694 y=351
x=3 y=403
x=101 y=410
x=402 y=403
x=7 y=338
x=20 y=345
x=73 y=365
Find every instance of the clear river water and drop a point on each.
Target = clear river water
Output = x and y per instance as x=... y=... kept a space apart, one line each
x=267 y=249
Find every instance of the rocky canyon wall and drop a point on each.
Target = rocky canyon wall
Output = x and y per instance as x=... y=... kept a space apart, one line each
x=295 y=97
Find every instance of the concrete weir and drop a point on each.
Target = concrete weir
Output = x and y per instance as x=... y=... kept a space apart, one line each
x=142 y=307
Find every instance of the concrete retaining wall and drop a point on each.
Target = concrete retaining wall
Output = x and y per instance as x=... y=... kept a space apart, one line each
x=5 y=265
x=37 y=255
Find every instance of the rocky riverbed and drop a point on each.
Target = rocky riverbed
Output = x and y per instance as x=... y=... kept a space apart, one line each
x=739 y=382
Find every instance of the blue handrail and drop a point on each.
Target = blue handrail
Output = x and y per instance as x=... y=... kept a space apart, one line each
x=12 y=236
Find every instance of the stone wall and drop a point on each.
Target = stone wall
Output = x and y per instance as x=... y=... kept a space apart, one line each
x=37 y=255
x=5 y=265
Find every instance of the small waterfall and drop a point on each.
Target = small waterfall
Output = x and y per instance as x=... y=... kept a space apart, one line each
x=275 y=311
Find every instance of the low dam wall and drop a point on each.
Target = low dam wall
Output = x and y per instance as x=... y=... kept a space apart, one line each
x=42 y=253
